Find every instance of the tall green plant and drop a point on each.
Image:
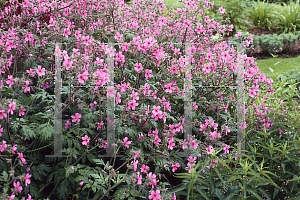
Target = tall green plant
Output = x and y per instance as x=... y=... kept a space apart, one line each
x=288 y=17
x=261 y=14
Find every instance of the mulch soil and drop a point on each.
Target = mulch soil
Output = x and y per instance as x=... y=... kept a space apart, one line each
x=257 y=53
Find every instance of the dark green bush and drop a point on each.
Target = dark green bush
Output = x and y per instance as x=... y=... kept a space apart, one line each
x=282 y=43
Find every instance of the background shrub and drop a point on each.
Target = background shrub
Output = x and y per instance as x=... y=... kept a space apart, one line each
x=288 y=17
x=261 y=14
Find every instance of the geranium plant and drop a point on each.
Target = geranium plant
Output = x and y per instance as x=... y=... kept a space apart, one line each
x=149 y=67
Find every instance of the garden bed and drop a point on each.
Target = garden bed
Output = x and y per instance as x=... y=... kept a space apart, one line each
x=258 y=53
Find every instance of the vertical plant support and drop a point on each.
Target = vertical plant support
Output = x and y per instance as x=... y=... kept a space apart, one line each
x=240 y=100
x=111 y=150
x=58 y=106
x=187 y=96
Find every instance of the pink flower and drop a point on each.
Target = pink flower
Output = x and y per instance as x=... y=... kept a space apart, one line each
x=153 y=178
x=206 y=69
x=226 y=148
x=81 y=183
x=156 y=112
x=195 y=106
x=139 y=178
x=169 y=88
x=40 y=71
x=154 y=94
x=222 y=10
x=104 y=144
x=10 y=80
x=1 y=130
x=29 y=197
x=185 y=144
x=3 y=146
x=31 y=72
x=76 y=118
x=12 y=196
x=137 y=154
x=67 y=124
x=214 y=135
x=171 y=145
x=22 y=158
x=68 y=64
x=21 y=111
x=99 y=125
x=227 y=130
x=210 y=150
x=144 y=168
x=193 y=144
x=110 y=91
x=14 y=148
x=17 y=187
x=132 y=105
x=138 y=67
x=174 y=167
x=85 y=140
x=238 y=35
x=27 y=179
x=148 y=74
x=2 y=114
x=12 y=107
x=155 y=195
x=25 y=4
x=67 y=32
x=126 y=142
x=135 y=163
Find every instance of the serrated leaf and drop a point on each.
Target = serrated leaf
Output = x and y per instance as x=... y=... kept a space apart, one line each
x=5 y=175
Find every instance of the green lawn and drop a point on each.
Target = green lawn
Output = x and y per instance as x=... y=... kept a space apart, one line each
x=173 y=3
x=279 y=65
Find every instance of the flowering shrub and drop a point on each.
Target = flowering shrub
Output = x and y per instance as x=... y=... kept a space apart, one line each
x=149 y=69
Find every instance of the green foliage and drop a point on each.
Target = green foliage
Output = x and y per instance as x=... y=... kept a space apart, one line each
x=288 y=17
x=220 y=181
x=293 y=74
x=235 y=11
x=261 y=14
x=273 y=43
x=280 y=151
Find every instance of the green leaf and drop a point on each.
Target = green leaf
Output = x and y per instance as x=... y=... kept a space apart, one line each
x=219 y=175
x=264 y=193
x=295 y=179
x=201 y=181
x=99 y=161
x=254 y=192
x=5 y=175
x=232 y=178
x=183 y=175
x=202 y=192
x=232 y=190
x=219 y=193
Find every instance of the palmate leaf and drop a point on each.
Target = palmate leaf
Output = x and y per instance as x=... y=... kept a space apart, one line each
x=63 y=189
